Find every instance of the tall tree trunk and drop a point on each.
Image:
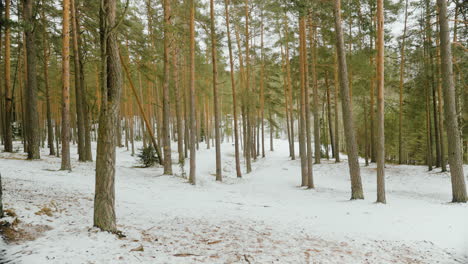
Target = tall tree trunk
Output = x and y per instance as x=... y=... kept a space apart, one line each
x=290 y=92
x=302 y=113
x=329 y=115
x=380 y=105
x=351 y=145
x=402 y=72
x=32 y=117
x=50 y=130
x=443 y=164
x=262 y=88
x=78 y=92
x=451 y=122
x=249 y=114
x=180 y=131
x=166 y=103
x=310 y=179
x=8 y=138
x=215 y=93
x=233 y=87
x=193 y=125
x=66 y=87
x=337 y=123
x=315 y=109
x=111 y=87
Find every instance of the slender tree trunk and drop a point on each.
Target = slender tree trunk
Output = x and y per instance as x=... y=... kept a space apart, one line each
x=111 y=87
x=78 y=92
x=402 y=72
x=233 y=87
x=8 y=138
x=451 y=123
x=310 y=179
x=166 y=103
x=443 y=164
x=32 y=117
x=291 y=101
x=262 y=89
x=66 y=87
x=180 y=131
x=50 y=130
x=351 y=145
x=337 y=116
x=193 y=125
x=215 y=93
x=302 y=119
x=329 y=115
x=315 y=109
x=249 y=114
x=380 y=105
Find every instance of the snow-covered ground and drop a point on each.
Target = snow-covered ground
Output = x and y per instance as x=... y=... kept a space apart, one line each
x=265 y=217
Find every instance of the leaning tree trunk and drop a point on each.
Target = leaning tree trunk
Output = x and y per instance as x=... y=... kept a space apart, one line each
x=32 y=116
x=351 y=145
x=66 y=87
x=451 y=123
x=111 y=86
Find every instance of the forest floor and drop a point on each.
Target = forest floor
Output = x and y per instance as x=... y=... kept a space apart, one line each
x=264 y=217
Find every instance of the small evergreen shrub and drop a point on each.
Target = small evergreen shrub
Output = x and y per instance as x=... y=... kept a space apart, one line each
x=148 y=156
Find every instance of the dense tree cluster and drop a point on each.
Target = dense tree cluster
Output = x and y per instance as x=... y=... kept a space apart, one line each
x=205 y=72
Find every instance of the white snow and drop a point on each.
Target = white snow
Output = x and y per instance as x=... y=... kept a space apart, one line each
x=265 y=217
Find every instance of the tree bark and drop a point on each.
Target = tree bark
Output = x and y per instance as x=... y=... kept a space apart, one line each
x=219 y=176
x=78 y=87
x=193 y=125
x=402 y=72
x=32 y=117
x=233 y=87
x=351 y=145
x=337 y=123
x=451 y=122
x=166 y=103
x=8 y=138
x=66 y=87
x=380 y=105
x=111 y=87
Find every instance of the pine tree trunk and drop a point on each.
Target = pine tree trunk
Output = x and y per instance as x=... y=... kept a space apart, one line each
x=233 y=87
x=337 y=123
x=302 y=114
x=66 y=87
x=290 y=92
x=78 y=92
x=443 y=164
x=111 y=87
x=315 y=109
x=402 y=72
x=32 y=117
x=215 y=93
x=310 y=179
x=351 y=145
x=329 y=116
x=193 y=125
x=8 y=137
x=451 y=122
x=180 y=131
x=380 y=146
x=249 y=132
x=166 y=103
